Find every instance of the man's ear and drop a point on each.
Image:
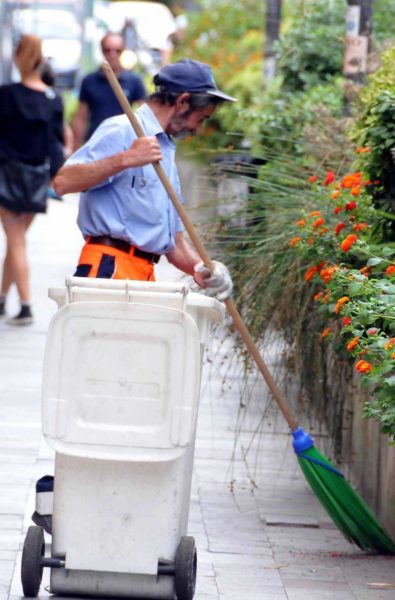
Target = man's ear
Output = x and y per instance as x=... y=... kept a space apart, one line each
x=182 y=100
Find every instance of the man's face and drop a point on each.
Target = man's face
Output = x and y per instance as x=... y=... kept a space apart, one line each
x=185 y=123
x=112 y=48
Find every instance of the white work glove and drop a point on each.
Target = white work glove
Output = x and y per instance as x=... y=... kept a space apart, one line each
x=217 y=283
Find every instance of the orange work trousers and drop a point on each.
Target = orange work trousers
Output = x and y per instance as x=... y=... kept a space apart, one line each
x=97 y=260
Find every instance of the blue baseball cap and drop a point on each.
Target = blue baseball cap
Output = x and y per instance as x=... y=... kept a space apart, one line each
x=189 y=76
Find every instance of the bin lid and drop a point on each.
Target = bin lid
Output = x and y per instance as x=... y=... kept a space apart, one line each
x=121 y=380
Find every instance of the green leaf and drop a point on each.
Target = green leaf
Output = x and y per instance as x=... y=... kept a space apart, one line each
x=354 y=288
x=390 y=380
x=375 y=260
x=388 y=251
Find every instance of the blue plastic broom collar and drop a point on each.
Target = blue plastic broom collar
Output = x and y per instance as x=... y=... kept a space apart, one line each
x=301 y=440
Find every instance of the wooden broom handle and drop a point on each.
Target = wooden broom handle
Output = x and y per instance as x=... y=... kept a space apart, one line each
x=201 y=250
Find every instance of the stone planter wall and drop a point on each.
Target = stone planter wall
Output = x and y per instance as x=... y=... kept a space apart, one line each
x=335 y=397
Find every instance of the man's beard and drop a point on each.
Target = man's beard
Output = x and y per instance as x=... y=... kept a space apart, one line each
x=184 y=133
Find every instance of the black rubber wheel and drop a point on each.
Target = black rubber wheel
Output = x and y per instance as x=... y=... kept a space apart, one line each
x=31 y=569
x=185 y=568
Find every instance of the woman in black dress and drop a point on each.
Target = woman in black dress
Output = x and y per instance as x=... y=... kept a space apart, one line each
x=31 y=132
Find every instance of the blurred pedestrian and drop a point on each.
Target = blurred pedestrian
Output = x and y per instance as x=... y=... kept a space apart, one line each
x=97 y=101
x=31 y=152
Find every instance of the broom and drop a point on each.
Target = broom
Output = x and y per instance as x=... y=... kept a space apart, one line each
x=348 y=511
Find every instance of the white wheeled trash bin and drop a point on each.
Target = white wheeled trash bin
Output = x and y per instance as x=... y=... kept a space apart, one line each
x=121 y=391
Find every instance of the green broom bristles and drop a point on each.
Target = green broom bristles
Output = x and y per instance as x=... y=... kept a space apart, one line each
x=348 y=511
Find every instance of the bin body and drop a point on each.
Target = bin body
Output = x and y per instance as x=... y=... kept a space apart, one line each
x=120 y=400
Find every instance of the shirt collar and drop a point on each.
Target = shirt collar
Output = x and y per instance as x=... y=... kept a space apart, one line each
x=149 y=120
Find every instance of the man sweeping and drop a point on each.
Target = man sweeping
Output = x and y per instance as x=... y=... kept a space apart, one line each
x=125 y=215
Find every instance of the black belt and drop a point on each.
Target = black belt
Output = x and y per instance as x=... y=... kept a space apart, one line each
x=106 y=240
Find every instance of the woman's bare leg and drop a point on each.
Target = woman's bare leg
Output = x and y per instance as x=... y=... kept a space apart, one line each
x=16 y=267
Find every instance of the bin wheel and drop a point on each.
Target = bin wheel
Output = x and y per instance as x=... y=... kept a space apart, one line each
x=31 y=568
x=185 y=569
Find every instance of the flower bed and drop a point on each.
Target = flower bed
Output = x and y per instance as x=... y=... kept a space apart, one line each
x=354 y=276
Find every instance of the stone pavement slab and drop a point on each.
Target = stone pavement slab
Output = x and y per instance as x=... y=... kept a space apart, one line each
x=259 y=529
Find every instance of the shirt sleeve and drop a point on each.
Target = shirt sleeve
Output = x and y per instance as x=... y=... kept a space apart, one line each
x=108 y=139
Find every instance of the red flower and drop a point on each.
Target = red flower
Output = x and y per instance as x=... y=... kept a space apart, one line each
x=348 y=242
x=326 y=332
x=352 y=344
x=312 y=179
x=363 y=367
x=372 y=330
x=346 y=321
x=390 y=270
x=337 y=209
x=318 y=222
x=351 y=205
x=330 y=178
x=339 y=227
x=327 y=274
x=360 y=226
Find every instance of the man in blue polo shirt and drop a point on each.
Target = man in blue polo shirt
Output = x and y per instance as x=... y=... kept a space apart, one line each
x=125 y=214
x=97 y=101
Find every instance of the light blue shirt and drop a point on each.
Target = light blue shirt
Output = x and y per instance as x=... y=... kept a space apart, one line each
x=132 y=205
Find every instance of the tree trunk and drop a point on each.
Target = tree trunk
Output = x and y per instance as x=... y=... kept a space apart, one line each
x=272 y=30
x=358 y=33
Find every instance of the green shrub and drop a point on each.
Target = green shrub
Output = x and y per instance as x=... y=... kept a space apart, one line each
x=311 y=49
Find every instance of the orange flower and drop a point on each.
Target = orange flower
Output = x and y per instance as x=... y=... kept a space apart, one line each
x=322 y=231
x=390 y=270
x=326 y=332
x=340 y=303
x=348 y=242
x=335 y=194
x=310 y=273
x=318 y=222
x=338 y=228
x=356 y=190
x=360 y=226
x=351 y=205
x=301 y=223
x=337 y=209
x=312 y=179
x=362 y=150
x=295 y=241
x=389 y=344
x=393 y=356
x=318 y=296
x=346 y=321
x=352 y=344
x=327 y=274
x=330 y=178
x=315 y=213
x=350 y=181
x=363 y=366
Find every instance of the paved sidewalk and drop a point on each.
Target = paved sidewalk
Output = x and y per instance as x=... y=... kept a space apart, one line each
x=260 y=532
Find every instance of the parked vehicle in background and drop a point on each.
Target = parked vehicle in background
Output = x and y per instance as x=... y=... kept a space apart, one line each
x=58 y=24
x=147 y=28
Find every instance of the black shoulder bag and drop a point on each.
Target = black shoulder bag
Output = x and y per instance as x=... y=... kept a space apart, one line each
x=24 y=187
